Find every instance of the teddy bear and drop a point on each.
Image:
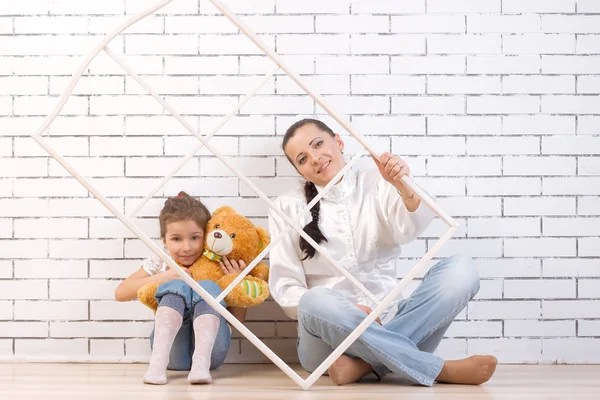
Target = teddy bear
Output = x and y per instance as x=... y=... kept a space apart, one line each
x=228 y=234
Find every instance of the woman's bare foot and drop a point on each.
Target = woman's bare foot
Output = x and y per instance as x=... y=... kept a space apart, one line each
x=348 y=370
x=474 y=370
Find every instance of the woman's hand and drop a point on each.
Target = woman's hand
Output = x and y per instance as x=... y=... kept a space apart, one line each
x=368 y=311
x=392 y=168
x=231 y=266
x=170 y=274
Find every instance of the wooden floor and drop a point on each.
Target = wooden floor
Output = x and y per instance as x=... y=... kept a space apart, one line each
x=260 y=381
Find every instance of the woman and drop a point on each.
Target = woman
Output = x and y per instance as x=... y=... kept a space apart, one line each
x=361 y=222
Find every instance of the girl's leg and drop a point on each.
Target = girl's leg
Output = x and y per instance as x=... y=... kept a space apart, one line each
x=212 y=336
x=172 y=298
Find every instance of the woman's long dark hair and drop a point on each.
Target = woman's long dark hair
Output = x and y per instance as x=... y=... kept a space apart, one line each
x=310 y=190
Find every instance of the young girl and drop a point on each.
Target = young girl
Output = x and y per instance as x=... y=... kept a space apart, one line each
x=188 y=334
x=361 y=222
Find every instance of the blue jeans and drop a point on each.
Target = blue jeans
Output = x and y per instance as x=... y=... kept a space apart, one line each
x=405 y=344
x=180 y=358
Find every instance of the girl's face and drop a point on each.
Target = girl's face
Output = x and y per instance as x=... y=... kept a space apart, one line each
x=185 y=241
x=316 y=154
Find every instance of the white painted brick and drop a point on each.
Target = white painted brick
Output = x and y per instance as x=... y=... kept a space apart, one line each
x=347 y=65
x=503 y=105
x=489 y=289
x=588 y=84
x=234 y=85
x=20 y=126
x=233 y=44
x=428 y=105
x=463 y=84
x=464 y=166
x=6 y=25
x=140 y=64
x=571 y=350
x=464 y=44
x=105 y=24
x=250 y=167
x=41 y=25
x=89 y=85
x=539 y=289
x=175 y=7
x=23 y=329
x=100 y=329
x=194 y=105
x=510 y=24
x=23 y=85
x=278 y=105
x=202 y=186
x=492 y=310
x=327 y=84
x=352 y=24
x=588 y=328
x=387 y=84
x=280 y=24
x=437 y=228
x=539 y=247
x=500 y=227
x=387 y=44
x=45 y=268
x=474 y=328
x=51 y=310
x=120 y=105
x=6 y=310
x=113 y=228
x=569 y=309
x=539 y=166
x=138 y=349
x=161 y=44
x=571 y=23
x=538 y=6
x=23 y=208
x=56 y=187
x=571 y=145
x=86 y=249
x=240 y=125
x=545 y=205
x=470 y=247
x=6 y=147
x=570 y=64
x=126 y=146
x=41 y=65
x=389 y=125
x=503 y=145
x=81 y=289
x=538 y=124
x=284 y=348
x=538 y=84
x=200 y=65
x=312 y=6
x=461 y=125
x=91 y=166
x=107 y=348
x=388 y=6
x=509 y=268
x=199 y=24
x=589 y=247
x=164 y=85
x=159 y=167
x=6 y=228
x=588 y=125
x=158 y=125
x=6 y=106
x=113 y=268
x=23 y=167
x=588 y=44
x=28 y=289
x=443 y=186
x=571 y=186
x=73 y=7
x=84 y=126
x=538 y=44
x=134 y=248
x=505 y=64
x=303 y=64
x=570 y=104
x=357 y=104
x=430 y=64
x=503 y=186
x=50 y=228
x=571 y=227
x=270 y=187
x=588 y=205
x=25 y=8
x=452 y=349
x=179 y=146
x=587 y=6
x=25 y=45
x=515 y=328
x=428 y=24
x=81 y=207
x=43 y=105
x=6 y=188
x=588 y=288
x=471 y=206
x=508 y=350
x=113 y=187
x=112 y=310
x=442 y=146
x=463 y=6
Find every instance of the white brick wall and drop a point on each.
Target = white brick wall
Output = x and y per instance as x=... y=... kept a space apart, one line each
x=494 y=103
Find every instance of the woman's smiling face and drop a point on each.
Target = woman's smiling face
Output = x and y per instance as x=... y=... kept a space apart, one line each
x=316 y=154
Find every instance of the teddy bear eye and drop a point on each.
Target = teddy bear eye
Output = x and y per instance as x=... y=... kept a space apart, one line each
x=232 y=235
x=217 y=226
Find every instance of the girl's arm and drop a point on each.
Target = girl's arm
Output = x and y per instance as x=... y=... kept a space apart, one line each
x=128 y=289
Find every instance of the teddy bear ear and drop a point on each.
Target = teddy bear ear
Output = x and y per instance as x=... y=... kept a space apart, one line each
x=264 y=238
x=224 y=209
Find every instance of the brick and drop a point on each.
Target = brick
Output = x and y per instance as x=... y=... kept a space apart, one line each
x=571 y=23
x=510 y=24
x=503 y=105
x=179 y=146
x=29 y=289
x=202 y=186
x=430 y=64
x=23 y=167
x=531 y=328
x=232 y=44
x=462 y=125
x=49 y=45
x=89 y=85
x=28 y=8
x=471 y=206
x=509 y=268
x=502 y=145
x=587 y=125
x=86 y=248
x=538 y=44
x=538 y=84
x=492 y=310
x=571 y=267
x=464 y=166
x=388 y=6
x=570 y=64
x=588 y=205
x=41 y=25
x=360 y=24
x=105 y=24
x=474 y=328
x=539 y=166
x=588 y=44
x=23 y=329
x=539 y=247
x=389 y=125
x=387 y=44
x=159 y=167
x=88 y=126
x=43 y=105
x=89 y=166
x=278 y=105
x=537 y=6
x=463 y=85
x=464 y=44
x=428 y=146
x=572 y=350
x=505 y=64
x=251 y=167
x=10 y=86
x=327 y=84
x=588 y=247
x=501 y=227
x=571 y=145
x=428 y=105
x=571 y=186
x=503 y=186
x=161 y=44
x=280 y=24
x=100 y=329
x=73 y=7
x=569 y=309
x=82 y=289
x=570 y=104
x=539 y=289
x=81 y=207
x=164 y=85
x=545 y=205
x=387 y=84
x=428 y=24
x=104 y=349
x=113 y=268
x=45 y=268
x=538 y=124
x=571 y=227
x=125 y=105
x=55 y=187
x=51 y=310
x=50 y=228
x=113 y=310
x=313 y=6
x=508 y=349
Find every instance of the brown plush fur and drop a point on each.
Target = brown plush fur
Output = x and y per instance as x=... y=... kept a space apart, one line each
x=246 y=240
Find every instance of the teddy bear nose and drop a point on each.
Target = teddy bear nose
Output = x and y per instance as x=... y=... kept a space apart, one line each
x=218 y=235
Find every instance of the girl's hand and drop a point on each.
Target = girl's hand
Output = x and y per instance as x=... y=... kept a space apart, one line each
x=392 y=168
x=170 y=274
x=368 y=311
x=231 y=266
